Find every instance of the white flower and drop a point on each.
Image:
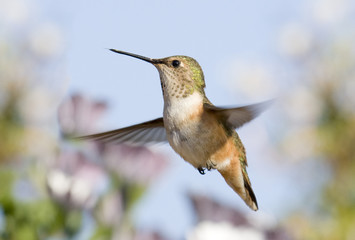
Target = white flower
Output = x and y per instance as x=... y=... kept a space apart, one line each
x=75 y=181
x=46 y=40
x=223 y=231
x=14 y=11
x=330 y=11
x=58 y=182
x=295 y=40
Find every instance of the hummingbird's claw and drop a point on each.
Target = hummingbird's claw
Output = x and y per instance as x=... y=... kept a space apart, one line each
x=210 y=165
x=201 y=170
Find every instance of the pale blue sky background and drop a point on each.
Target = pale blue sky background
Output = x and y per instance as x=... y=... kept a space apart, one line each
x=217 y=34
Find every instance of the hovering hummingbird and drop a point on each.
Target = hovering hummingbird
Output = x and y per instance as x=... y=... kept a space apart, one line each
x=202 y=134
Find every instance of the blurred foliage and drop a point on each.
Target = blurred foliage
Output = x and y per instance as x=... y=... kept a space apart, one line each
x=32 y=219
x=334 y=218
x=11 y=131
x=11 y=123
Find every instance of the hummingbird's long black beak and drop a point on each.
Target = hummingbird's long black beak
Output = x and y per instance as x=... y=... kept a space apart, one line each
x=150 y=60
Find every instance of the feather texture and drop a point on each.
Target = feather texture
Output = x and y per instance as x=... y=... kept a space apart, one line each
x=147 y=132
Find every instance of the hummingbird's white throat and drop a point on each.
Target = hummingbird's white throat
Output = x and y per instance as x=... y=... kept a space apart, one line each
x=179 y=110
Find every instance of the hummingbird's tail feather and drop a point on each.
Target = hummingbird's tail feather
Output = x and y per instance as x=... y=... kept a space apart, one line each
x=252 y=202
x=239 y=182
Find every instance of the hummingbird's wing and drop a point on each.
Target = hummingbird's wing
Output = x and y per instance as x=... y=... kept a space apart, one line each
x=146 y=132
x=237 y=116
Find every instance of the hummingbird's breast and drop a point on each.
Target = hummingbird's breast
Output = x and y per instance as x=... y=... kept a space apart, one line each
x=193 y=133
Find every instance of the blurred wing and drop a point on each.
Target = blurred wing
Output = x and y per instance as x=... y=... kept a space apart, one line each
x=238 y=116
x=146 y=132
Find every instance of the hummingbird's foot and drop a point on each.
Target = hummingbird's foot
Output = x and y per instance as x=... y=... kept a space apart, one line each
x=201 y=170
x=210 y=165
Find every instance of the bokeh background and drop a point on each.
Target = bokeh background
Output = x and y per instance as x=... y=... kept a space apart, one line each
x=57 y=79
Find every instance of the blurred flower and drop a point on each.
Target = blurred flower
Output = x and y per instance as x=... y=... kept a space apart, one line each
x=79 y=115
x=330 y=11
x=14 y=11
x=111 y=209
x=209 y=210
x=46 y=40
x=255 y=78
x=303 y=106
x=295 y=40
x=223 y=231
x=134 y=163
x=75 y=181
x=37 y=105
x=217 y=221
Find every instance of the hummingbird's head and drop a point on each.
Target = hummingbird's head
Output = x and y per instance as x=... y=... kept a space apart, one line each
x=180 y=76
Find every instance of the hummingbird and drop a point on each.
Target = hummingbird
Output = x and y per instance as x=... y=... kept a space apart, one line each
x=201 y=133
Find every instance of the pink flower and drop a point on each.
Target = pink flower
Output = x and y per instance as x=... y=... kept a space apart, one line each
x=134 y=163
x=75 y=181
x=79 y=115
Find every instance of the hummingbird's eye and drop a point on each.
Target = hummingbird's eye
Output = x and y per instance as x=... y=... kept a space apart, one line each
x=175 y=63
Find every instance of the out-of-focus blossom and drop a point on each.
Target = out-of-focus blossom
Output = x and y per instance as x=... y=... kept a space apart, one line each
x=332 y=66
x=223 y=231
x=218 y=221
x=134 y=163
x=14 y=11
x=255 y=79
x=330 y=11
x=295 y=40
x=300 y=144
x=111 y=209
x=78 y=115
x=209 y=210
x=303 y=106
x=37 y=105
x=75 y=181
x=46 y=40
